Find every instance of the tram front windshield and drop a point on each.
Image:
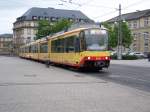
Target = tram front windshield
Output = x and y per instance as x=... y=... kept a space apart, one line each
x=96 y=39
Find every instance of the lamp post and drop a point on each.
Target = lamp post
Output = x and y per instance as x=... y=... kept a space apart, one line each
x=119 y=43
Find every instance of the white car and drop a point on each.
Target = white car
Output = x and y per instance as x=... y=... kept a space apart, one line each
x=113 y=53
x=138 y=54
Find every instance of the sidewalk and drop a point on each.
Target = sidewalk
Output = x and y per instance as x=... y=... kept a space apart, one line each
x=139 y=63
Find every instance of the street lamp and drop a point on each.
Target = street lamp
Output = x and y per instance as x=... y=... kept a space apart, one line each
x=119 y=44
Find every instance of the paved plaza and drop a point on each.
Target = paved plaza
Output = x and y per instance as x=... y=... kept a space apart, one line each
x=28 y=86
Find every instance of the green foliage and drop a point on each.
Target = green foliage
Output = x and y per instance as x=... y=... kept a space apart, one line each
x=126 y=35
x=129 y=57
x=60 y=25
x=45 y=28
x=113 y=34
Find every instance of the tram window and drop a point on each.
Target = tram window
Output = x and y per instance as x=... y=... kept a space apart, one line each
x=82 y=41
x=60 y=45
x=77 y=44
x=70 y=46
x=53 y=47
x=33 y=48
x=36 y=48
x=43 y=48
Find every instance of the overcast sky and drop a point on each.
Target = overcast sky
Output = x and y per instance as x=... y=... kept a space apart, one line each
x=98 y=10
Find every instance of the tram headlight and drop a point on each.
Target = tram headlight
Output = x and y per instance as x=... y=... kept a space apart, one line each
x=106 y=58
x=89 y=58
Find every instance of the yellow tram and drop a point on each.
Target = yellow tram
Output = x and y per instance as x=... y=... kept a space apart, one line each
x=83 y=47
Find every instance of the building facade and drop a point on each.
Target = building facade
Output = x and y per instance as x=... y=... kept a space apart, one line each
x=6 y=44
x=25 y=27
x=139 y=23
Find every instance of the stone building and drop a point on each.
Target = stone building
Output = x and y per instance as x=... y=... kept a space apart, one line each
x=6 y=45
x=139 y=23
x=25 y=26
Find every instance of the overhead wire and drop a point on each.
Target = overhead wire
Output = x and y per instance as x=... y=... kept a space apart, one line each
x=133 y=4
x=106 y=14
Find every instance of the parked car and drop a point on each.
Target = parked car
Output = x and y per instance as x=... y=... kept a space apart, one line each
x=138 y=54
x=124 y=53
x=113 y=53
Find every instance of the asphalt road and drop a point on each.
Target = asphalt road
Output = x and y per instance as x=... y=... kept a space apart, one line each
x=135 y=77
x=28 y=86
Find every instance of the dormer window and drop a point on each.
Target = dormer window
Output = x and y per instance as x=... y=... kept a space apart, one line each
x=34 y=17
x=40 y=17
x=46 y=18
x=70 y=19
x=53 y=19
x=81 y=20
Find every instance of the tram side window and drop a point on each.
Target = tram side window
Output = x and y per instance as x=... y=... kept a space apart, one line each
x=34 y=48
x=70 y=44
x=53 y=46
x=77 y=44
x=43 y=48
x=58 y=46
x=82 y=41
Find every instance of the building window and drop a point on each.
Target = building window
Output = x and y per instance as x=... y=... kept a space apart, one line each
x=46 y=18
x=135 y=24
x=146 y=41
x=134 y=36
x=34 y=17
x=35 y=24
x=146 y=35
x=40 y=17
x=146 y=21
x=53 y=19
x=29 y=31
x=70 y=19
x=35 y=32
x=130 y=24
x=81 y=20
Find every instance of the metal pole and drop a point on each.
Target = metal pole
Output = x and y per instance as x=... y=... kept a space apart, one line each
x=119 y=52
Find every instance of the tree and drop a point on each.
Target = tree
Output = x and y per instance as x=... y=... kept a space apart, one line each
x=45 y=28
x=60 y=25
x=113 y=34
x=126 y=35
x=112 y=40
